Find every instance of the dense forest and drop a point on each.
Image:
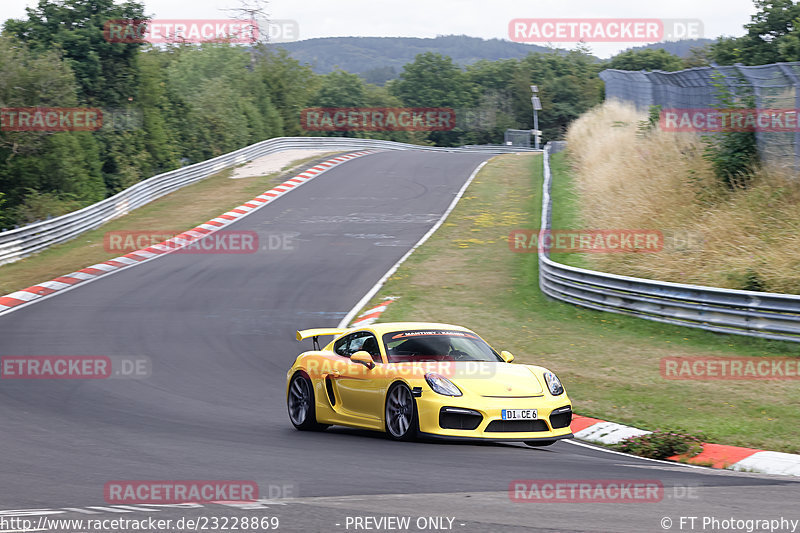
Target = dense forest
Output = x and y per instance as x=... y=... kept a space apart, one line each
x=177 y=104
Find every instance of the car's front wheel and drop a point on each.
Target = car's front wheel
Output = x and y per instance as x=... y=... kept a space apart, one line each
x=401 y=413
x=301 y=404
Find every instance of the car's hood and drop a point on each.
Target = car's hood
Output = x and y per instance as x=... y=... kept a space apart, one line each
x=485 y=379
x=497 y=379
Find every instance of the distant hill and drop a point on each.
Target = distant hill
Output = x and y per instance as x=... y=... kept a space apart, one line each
x=379 y=59
x=679 y=48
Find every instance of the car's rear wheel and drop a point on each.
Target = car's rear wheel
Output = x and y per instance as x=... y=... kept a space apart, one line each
x=300 y=401
x=401 y=413
x=539 y=443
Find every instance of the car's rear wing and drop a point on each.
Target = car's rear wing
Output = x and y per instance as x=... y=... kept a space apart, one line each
x=319 y=332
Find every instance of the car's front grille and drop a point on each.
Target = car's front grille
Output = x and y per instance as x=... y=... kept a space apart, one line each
x=561 y=417
x=459 y=418
x=516 y=426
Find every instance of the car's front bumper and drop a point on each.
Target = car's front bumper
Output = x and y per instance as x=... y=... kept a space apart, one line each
x=439 y=414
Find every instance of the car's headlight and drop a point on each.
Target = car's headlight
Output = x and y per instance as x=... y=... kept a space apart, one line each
x=442 y=385
x=553 y=384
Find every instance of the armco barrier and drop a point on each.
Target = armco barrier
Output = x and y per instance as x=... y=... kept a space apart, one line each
x=757 y=314
x=20 y=242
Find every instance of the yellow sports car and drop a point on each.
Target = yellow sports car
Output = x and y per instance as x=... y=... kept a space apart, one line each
x=421 y=379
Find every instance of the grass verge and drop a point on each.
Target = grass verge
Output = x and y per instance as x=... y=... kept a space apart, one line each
x=466 y=274
x=733 y=232
x=178 y=211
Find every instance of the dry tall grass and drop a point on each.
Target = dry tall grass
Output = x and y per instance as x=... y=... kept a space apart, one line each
x=742 y=239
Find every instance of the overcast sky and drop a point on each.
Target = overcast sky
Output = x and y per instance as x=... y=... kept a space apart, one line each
x=429 y=18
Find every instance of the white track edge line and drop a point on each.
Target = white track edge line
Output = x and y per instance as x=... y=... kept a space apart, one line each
x=375 y=288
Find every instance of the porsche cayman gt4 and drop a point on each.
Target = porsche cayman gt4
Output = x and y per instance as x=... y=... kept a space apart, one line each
x=427 y=380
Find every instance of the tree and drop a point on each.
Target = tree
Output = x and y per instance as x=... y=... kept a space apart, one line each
x=773 y=35
x=699 y=56
x=433 y=80
x=340 y=89
x=224 y=105
x=492 y=113
x=64 y=164
x=106 y=71
x=4 y=217
x=645 y=59
x=379 y=75
x=289 y=85
x=375 y=96
x=568 y=87
x=159 y=117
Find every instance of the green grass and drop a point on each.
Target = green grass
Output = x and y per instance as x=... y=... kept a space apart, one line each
x=466 y=274
x=566 y=209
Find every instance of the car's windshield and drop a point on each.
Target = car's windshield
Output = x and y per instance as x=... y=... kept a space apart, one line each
x=436 y=345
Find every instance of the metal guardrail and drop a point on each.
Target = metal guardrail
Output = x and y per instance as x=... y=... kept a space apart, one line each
x=497 y=148
x=20 y=242
x=756 y=314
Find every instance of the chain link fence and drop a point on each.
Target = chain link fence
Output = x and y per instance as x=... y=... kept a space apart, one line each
x=774 y=86
x=521 y=138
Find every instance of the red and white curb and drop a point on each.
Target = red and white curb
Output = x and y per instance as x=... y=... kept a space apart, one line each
x=716 y=455
x=17 y=299
x=370 y=316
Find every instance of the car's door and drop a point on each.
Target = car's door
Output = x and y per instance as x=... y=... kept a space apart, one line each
x=358 y=389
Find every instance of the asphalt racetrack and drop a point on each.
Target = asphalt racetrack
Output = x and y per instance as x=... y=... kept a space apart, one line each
x=219 y=331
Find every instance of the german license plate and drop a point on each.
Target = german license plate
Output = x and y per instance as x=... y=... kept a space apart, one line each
x=519 y=414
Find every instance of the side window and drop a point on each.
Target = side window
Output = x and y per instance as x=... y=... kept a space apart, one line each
x=367 y=342
x=371 y=347
x=357 y=343
x=340 y=346
x=347 y=346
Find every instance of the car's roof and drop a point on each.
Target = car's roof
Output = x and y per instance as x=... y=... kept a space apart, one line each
x=387 y=327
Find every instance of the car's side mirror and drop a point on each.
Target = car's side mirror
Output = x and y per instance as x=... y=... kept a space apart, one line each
x=507 y=356
x=364 y=358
